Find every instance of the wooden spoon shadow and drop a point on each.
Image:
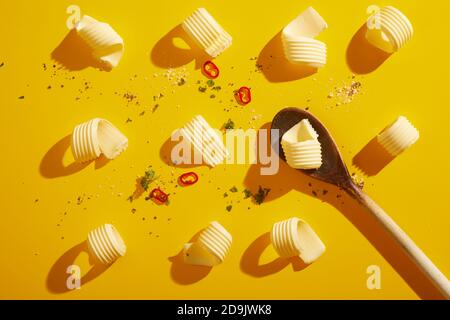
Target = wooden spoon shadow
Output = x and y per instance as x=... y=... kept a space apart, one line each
x=52 y=164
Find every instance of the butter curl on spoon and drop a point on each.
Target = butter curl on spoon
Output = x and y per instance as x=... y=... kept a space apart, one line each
x=334 y=171
x=301 y=146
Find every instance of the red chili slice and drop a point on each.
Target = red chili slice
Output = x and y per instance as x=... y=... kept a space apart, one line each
x=188 y=179
x=244 y=95
x=211 y=70
x=159 y=195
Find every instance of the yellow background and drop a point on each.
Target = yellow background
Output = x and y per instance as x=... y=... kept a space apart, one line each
x=413 y=188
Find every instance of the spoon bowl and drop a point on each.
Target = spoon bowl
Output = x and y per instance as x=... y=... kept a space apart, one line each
x=333 y=169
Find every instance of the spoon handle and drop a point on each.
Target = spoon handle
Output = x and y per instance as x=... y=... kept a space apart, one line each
x=438 y=279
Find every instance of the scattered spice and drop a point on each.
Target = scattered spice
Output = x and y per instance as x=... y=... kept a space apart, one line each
x=80 y=200
x=229 y=207
x=176 y=77
x=148 y=178
x=21 y=97
x=129 y=97
x=247 y=193
x=229 y=125
x=358 y=180
x=234 y=189
x=261 y=195
x=345 y=93
x=210 y=83
x=2 y=64
x=201 y=89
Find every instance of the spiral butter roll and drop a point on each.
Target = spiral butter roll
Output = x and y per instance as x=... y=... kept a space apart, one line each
x=399 y=136
x=206 y=32
x=301 y=146
x=106 y=244
x=211 y=247
x=106 y=45
x=299 y=44
x=95 y=137
x=294 y=237
x=389 y=29
x=205 y=140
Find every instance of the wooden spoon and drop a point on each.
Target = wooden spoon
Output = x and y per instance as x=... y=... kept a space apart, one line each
x=334 y=171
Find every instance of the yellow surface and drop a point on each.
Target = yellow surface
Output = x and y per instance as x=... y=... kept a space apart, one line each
x=36 y=190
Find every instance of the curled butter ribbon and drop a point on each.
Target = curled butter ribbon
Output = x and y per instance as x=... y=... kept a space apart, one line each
x=106 y=45
x=294 y=237
x=95 y=137
x=211 y=247
x=389 y=29
x=299 y=44
x=206 y=32
x=106 y=244
x=399 y=136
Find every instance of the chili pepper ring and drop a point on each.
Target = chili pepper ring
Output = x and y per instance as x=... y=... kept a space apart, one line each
x=188 y=179
x=159 y=195
x=211 y=70
x=244 y=95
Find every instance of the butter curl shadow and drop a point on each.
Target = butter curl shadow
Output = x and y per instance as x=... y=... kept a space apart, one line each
x=362 y=57
x=250 y=260
x=187 y=274
x=74 y=54
x=276 y=68
x=165 y=53
x=372 y=158
x=52 y=164
x=57 y=276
